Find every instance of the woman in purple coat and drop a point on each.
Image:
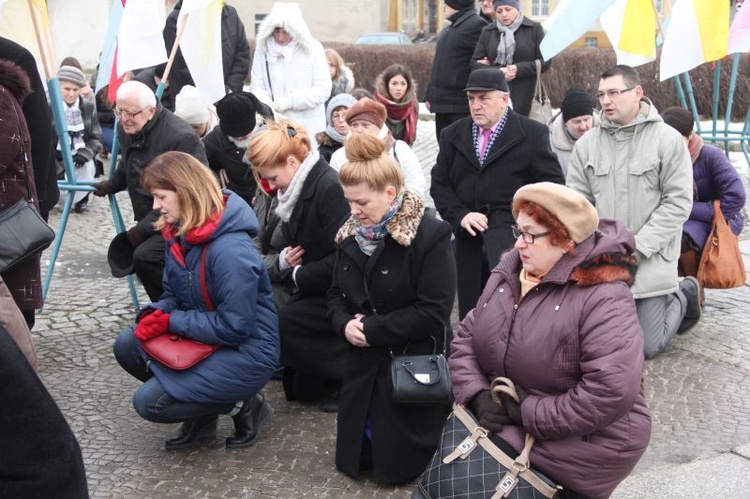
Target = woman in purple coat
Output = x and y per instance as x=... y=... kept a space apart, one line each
x=557 y=317
x=714 y=178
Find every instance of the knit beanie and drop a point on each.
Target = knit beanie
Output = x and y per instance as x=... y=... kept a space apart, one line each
x=71 y=75
x=576 y=103
x=460 y=4
x=368 y=110
x=571 y=208
x=513 y=3
x=236 y=113
x=338 y=100
x=189 y=106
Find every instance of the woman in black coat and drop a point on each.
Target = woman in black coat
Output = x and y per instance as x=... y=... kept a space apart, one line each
x=511 y=44
x=311 y=207
x=394 y=283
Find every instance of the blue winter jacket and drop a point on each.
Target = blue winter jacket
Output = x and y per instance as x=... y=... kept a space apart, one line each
x=244 y=321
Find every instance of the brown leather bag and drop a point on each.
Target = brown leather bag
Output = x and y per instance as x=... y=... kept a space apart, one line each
x=721 y=264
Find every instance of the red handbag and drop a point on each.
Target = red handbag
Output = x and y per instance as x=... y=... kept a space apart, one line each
x=175 y=351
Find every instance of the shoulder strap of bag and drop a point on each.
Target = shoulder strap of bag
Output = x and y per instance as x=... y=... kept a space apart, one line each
x=204 y=287
x=268 y=74
x=538 y=93
x=24 y=155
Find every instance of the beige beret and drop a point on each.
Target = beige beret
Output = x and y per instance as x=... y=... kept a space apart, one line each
x=572 y=209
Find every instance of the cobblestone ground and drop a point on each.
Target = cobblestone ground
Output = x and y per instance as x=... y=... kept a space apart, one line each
x=698 y=391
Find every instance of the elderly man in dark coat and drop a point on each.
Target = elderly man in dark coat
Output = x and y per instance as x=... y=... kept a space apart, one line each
x=235 y=51
x=483 y=161
x=451 y=66
x=145 y=131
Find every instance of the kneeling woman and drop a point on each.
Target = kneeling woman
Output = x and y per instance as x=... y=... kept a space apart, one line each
x=216 y=291
x=557 y=317
x=394 y=282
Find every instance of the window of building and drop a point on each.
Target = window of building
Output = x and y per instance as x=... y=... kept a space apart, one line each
x=411 y=14
x=539 y=8
x=590 y=42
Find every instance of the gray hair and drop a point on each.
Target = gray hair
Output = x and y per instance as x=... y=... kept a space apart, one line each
x=146 y=97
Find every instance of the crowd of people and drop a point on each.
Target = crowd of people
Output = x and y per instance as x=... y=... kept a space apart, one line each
x=286 y=227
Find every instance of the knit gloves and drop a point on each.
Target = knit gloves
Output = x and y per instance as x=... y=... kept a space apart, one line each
x=512 y=407
x=102 y=188
x=492 y=416
x=152 y=325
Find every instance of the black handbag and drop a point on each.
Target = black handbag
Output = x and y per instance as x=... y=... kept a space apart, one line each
x=24 y=231
x=470 y=466
x=421 y=379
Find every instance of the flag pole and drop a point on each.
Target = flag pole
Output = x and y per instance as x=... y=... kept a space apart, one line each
x=659 y=24
x=44 y=42
x=173 y=53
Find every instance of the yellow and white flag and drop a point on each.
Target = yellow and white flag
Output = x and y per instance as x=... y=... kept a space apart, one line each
x=698 y=32
x=201 y=46
x=631 y=28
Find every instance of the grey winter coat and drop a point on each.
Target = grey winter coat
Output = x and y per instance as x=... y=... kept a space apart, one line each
x=573 y=342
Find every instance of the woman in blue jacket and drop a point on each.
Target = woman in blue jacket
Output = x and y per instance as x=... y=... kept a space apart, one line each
x=220 y=297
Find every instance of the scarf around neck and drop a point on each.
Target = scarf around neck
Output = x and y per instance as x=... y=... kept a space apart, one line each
x=507 y=46
x=335 y=135
x=280 y=53
x=695 y=145
x=402 y=111
x=368 y=237
x=76 y=127
x=288 y=198
x=198 y=235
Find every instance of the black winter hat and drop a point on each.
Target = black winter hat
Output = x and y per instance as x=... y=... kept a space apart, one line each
x=576 y=103
x=460 y=4
x=120 y=255
x=486 y=79
x=236 y=113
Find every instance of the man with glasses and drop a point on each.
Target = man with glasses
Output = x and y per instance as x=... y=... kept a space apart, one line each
x=483 y=160
x=145 y=130
x=635 y=168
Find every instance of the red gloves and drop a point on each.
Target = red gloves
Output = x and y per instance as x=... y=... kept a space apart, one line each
x=152 y=325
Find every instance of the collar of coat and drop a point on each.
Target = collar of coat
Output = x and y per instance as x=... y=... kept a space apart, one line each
x=579 y=268
x=402 y=227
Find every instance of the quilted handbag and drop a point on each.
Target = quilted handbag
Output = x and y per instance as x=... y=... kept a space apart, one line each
x=468 y=465
x=175 y=351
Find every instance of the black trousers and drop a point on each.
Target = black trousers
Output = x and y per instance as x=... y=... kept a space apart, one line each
x=148 y=263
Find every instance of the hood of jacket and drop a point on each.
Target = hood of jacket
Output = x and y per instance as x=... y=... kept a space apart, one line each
x=237 y=217
x=402 y=227
x=606 y=256
x=15 y=79
x=287 y=16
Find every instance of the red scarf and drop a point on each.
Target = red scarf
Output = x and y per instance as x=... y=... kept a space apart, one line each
x=695 y=144
x=196 y=235
x=402 y=111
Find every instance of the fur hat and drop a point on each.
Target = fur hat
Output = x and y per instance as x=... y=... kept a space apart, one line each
x=189 y=106
x=513 y=3
x=576 y=103
x=71 y=75
x=571 y=208
x=339 y=100
x=369 y=110
x=236 y=113
x=460 y=4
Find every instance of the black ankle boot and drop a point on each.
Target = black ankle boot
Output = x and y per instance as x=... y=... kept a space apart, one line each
x=191 y=432
x=248 y=421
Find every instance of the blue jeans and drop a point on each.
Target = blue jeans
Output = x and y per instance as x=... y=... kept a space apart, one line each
x=151 y=401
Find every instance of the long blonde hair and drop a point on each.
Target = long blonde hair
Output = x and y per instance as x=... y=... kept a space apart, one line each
x=198 y=191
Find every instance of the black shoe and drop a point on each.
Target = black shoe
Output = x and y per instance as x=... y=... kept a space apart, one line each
x=691 y=288
x=82 y=205
x=332 y=404
x=248 y=421
x=191 y=432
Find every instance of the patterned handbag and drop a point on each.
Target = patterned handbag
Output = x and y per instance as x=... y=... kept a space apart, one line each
x=468 y=465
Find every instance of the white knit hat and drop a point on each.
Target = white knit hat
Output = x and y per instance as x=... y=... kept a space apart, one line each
x=189 y=106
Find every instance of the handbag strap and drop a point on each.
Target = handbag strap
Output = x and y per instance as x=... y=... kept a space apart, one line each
x=268 y=74
x=539 y=88
x=24 y=154
x=204 y=287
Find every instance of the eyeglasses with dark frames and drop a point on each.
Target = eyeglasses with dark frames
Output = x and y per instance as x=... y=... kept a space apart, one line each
x=528 y=237
x=612 y=93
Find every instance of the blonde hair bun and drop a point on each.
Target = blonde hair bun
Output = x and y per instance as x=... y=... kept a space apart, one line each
x=361 y=148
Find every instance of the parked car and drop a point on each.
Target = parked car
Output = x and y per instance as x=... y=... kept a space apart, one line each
x=384 y=38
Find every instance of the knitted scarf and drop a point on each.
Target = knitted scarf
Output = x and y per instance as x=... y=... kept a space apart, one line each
x=76 y=127
x=695 y=145
x=405 y=111
x=288 y=198
x=507 y=46
x=368 y=237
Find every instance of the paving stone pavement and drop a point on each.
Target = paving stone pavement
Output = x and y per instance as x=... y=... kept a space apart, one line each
x=698 y=391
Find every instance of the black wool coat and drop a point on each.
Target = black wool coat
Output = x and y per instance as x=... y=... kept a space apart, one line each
x=528 y=37
x=412 y=288
x=452 y=64
x=520 y=155
x=223 y=154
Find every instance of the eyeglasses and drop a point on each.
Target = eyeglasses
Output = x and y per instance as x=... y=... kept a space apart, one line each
x=612 y=93
x=528 y=237
x=120 y=113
